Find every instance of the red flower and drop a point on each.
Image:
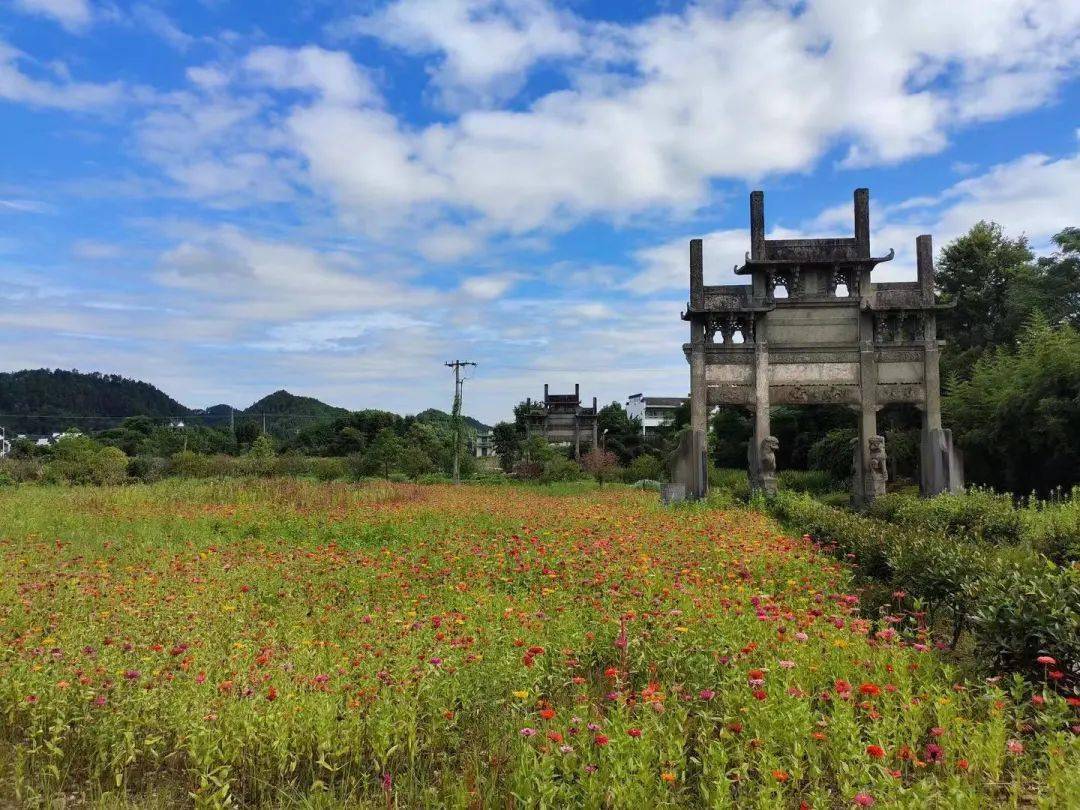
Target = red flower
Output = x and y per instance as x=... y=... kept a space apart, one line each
x=875 y=751
x=547 y=714
x=634 y=732
x=601 y=739
x=271 y=694
x=780 y=776
x=760 y=694
x=870 y=689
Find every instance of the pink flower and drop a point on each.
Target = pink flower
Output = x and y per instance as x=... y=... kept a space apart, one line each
x=1046 y=660
x=801 y=636
x=528 y=732
x=864 y=799
x=787 y=664
x=1015 y=747
x=706 y=694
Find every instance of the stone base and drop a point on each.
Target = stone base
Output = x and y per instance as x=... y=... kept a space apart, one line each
x=941 y=467
x=690 y=467
x=673 y=493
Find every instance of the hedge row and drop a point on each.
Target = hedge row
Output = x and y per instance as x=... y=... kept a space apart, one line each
x=1017 y=604
x=982 y=516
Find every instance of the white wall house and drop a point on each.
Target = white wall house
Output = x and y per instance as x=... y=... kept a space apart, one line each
x=654 y=412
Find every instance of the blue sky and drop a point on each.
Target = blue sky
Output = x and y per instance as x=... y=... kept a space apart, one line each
x=228 y=198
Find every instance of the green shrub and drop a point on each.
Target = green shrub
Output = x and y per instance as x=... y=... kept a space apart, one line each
x=147 y=469
x=327 y=468
x=81 y=460
x=978 y=515
x=833 y=453
x=644 y=468
x=1026 y=607
x=816 y=482
x=1017 y=604
x=561 y=469
x=730 y=479
x=433 y=478
x=22 y=470
x=1053 y=527
x=189 y=465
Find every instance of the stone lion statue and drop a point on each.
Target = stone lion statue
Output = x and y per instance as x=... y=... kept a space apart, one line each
x=879 y=465
x=767 y=459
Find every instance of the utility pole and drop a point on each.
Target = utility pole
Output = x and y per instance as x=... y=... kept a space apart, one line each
x=457 y=365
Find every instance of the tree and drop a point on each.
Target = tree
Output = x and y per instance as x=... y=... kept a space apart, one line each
x=247 y=432
x=731 y=430
x=1017 y=418
x=507 y=443
x=600 y=464
x=384 y=452
x=978 y=274
x=620 y=433
x=415 y=462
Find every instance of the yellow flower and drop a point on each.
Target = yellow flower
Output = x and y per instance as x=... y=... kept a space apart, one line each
x=521 y=694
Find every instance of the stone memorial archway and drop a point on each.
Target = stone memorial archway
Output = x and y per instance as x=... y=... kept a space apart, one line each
x=833 y=337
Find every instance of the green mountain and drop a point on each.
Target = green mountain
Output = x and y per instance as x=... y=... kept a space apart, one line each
x=435 y=415
x=41 y=401
x=285 y=404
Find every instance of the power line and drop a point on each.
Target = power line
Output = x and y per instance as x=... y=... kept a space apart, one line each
x=457 y=366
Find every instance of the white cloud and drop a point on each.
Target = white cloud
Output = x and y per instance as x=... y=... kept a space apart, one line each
x=18 y=86
x=490 y=287
x=485 y=46
x=74 y=15
x=332 y=74
x=246 y=278
x=335 y=334
x=95 y=250
x=682 y=99
x=161 y=25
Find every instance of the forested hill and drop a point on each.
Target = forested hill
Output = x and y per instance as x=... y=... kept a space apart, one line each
x=286 y=404
x=44 y=401
x=38 y=401
x=435 y=415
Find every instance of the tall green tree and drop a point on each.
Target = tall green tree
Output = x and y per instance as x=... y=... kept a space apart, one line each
x=1018 y=417
x=995 y=286
x=385 y=451
x=507 y=442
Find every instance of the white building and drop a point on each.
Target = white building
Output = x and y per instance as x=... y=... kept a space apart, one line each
x=654 y=412
x=481 y=445
x=5 y=445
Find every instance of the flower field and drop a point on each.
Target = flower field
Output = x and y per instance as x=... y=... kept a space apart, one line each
x=280 y=643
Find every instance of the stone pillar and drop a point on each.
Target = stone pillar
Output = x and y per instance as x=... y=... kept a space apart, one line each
x=941 y=466
x=864 y=485
x=757 y=224
x=595 y=424
x=862 y=221
x=924 y=250
x=761 y=479
x=699 y=408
